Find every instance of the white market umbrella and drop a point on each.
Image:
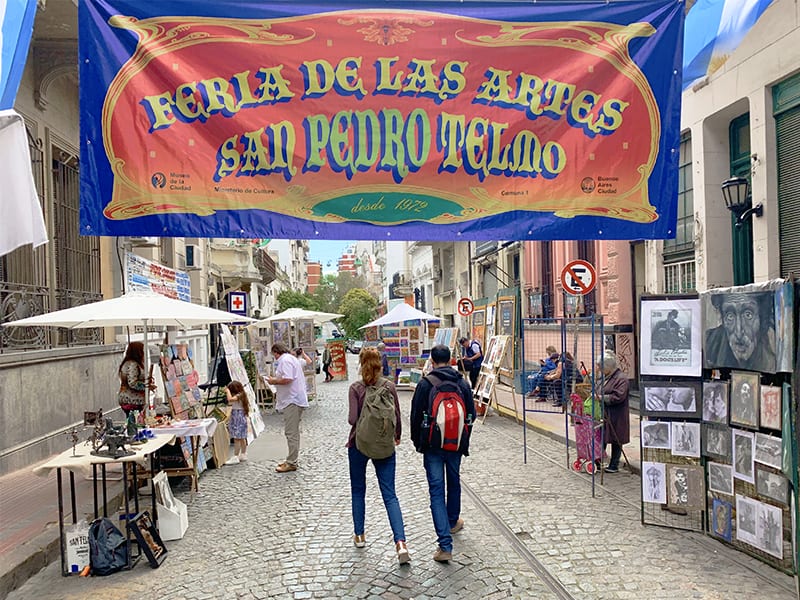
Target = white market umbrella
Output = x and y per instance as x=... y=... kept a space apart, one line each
x=292 y=314
x=401 y=312
x=134 y=308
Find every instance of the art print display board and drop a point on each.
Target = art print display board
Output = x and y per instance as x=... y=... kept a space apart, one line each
x=180 y=381
x=478 y=329
x=238 y=373
x=338 y=368
x=304 y=332
x=404 y=343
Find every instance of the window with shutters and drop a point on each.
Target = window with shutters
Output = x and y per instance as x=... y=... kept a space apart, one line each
x=786 y=109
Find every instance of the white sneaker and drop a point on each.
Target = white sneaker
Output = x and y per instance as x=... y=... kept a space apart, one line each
x=233 y=460
x=243 y=457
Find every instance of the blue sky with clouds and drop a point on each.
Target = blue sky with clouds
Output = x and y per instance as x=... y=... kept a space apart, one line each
x=327 y=251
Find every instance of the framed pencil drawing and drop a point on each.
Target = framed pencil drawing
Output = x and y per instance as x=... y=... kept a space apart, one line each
x=671 y=340
x=743 y=455
x=715 y=402
x=686 y=439
x=720 y=478
x=772 y=485
x=680 y=399
x=769 y=450
x=656 y=434
x=770 y=409
x=745 y=395
x=717 y=442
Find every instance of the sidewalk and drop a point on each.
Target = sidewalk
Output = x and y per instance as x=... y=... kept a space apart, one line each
x=29 y=503
x=550 y=421
x=29 y=538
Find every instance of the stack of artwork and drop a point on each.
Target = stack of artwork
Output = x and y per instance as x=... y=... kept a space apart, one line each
x=713 y=396
x=180 y=381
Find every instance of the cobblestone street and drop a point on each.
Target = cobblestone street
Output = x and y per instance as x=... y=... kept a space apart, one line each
x=532 y=531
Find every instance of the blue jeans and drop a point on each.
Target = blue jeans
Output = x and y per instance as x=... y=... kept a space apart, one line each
x=441 y=467
x=384 y=469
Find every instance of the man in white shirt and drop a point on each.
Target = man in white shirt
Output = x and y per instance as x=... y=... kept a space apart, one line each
x=291 y=400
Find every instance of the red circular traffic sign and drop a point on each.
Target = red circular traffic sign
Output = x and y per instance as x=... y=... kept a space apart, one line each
x=578 y=277
x=465 y=307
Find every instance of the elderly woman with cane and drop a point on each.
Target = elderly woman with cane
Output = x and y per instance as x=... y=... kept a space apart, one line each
x=616 y=388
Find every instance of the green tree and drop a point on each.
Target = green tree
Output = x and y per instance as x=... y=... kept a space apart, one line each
x=293 y=299
x=327 y=294
x=358 y=307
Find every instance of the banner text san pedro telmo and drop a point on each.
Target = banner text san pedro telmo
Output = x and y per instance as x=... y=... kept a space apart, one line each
x=384 y=119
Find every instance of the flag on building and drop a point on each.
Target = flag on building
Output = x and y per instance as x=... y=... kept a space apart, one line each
x=21 y=220
x=713 y=30
x=16 y=29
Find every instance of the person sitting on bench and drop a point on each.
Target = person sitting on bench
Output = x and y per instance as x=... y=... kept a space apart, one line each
x=564 y=373
x=548 y=365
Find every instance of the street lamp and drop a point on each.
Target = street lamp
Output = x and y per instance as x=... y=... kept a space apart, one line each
x=736 y=192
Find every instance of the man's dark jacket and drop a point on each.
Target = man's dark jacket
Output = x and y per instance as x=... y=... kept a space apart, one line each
x=419 y=406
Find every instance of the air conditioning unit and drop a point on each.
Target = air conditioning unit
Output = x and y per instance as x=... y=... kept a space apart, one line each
x=192 y=256
x=143 y=241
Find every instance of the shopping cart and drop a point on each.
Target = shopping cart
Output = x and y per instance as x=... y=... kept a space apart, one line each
x=588 y=435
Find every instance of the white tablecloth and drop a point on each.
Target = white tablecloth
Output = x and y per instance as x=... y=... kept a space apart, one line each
x=84 y=459
x=203 y=428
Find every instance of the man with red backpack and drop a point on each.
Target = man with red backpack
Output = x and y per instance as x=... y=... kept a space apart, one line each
x=442 y=413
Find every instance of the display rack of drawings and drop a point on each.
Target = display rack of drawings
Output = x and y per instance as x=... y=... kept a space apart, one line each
x=447 y=336
x=717 y=425
x=496 y=373
x=404 y=344
x=297 y=333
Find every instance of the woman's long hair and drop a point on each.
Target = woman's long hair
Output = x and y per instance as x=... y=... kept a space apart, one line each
x=237 y=391
x=371 y=368
x=134 y=352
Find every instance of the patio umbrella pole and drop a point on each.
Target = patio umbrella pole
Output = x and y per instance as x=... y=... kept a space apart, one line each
x=146 y=375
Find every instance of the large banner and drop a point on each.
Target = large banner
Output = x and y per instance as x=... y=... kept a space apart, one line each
x=423 y=121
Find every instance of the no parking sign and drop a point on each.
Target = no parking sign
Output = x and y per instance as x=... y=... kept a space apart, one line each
x=578 y=278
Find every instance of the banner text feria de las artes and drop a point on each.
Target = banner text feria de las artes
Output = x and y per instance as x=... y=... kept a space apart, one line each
x=381 y=123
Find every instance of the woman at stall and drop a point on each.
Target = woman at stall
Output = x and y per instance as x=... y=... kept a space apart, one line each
x=132 y=379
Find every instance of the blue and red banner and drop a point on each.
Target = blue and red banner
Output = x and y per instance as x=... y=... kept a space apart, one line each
x=404 y=120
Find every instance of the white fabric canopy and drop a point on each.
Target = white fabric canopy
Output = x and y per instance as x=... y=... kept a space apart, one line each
x=401 y=312
x=134 y=308
x=292 y=314
x=21 y=219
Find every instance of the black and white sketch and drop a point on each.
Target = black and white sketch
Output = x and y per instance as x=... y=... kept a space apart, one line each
x=654 y=482
x=720 y=478
x=715 y=401
x=686 y=439
x=739 y=330
x=772 y=485
x=717 y=442
x=769 y=450
x=686 y=487
x=743 y=450
x=746 y=519
x=769 y=529
x=655 y=434
x=770 y=409
x=721 y=514
x=671 y=337
x=744 y=399
x=671 y=399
